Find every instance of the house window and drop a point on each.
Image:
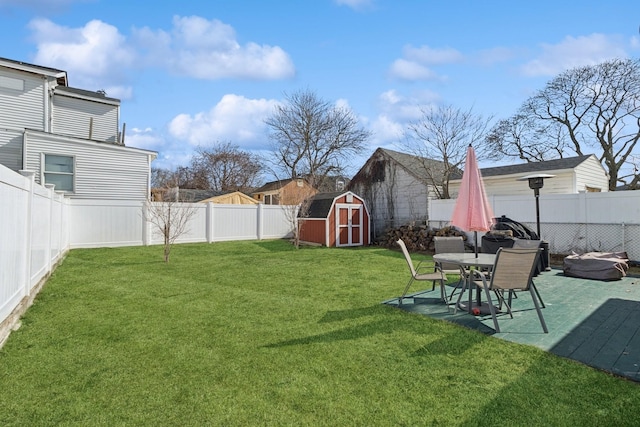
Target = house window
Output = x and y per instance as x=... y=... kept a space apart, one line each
x=11 y=83
x=271 y=199
x=59 y=171
x=592 y=189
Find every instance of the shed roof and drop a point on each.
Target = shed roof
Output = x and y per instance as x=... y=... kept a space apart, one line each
x=321 y=204
x=417 y=165
x=234 y=198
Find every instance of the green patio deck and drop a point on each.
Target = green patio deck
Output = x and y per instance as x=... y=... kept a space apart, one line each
x=590 y=321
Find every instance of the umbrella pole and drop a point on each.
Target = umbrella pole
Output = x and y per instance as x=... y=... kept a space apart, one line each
x=475 y=246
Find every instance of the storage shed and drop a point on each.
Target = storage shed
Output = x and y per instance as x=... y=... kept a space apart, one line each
x=235 y=198
x=335 y=219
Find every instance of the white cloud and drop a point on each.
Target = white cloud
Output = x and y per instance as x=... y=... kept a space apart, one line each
x=204 y=49
x=428 y=55
x=170 y=155
x=415 y=63
x=408 y=70
x=92 y=54
x=97 y=56
x=405 y=108
x=235 y=118
x=574 y=52
x=396 y=110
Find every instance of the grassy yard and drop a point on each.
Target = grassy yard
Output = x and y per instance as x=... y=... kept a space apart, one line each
x=258 y=333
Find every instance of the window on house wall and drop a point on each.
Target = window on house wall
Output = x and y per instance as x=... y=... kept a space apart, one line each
x=592 y=189
x=59 y=171
x=11 y=83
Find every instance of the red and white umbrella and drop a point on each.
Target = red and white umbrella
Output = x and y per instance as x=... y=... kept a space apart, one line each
x=472 y=211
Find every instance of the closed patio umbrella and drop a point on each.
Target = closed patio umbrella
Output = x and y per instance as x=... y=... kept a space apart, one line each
x=472 y=211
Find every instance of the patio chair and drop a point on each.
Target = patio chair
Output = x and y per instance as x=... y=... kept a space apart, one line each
x=416 y=274
x=512 y=271
x=451 y=244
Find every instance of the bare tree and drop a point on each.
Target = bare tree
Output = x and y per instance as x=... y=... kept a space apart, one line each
x=182 y=176
x=169 y=217
x=160 y=177
x=523 y=137
x=313 y=138
x=296 y=203
x=227 y=168
x=439 y=140
x=585 y=109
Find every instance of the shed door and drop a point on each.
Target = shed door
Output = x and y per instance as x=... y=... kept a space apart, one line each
x=349 y=228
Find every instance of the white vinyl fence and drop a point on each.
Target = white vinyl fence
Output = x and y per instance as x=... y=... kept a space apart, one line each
x=108 y=223
x=34 y=238
x=583 y=222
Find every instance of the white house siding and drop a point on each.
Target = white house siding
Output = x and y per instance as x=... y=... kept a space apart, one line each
x=11 y=149
x=566 y=181
x=562 y=183
x=22 y=108
x=72 y=116
x=591 y=174
x=102 y=170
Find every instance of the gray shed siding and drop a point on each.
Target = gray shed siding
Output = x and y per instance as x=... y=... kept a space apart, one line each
x=398 y=199
x=73 y=116
x=102 y=170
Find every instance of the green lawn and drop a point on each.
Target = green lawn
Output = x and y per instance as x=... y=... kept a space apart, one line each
x=258 y=333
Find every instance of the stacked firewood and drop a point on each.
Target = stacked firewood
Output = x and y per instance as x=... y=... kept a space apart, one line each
x=416 y=238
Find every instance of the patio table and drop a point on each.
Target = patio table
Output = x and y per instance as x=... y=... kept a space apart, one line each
x=467 y=261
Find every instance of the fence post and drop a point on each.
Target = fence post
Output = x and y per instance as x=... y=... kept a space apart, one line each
x=146 y=232
x=259 y=220
x=209 y=219
x=30 y=175
x=51 y=195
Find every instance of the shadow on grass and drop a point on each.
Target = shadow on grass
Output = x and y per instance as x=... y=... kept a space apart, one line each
x=388 y=323
x=434 y=308
x=356 y=313
x=378 y=327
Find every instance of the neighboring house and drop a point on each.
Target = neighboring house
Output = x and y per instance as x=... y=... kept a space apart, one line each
x=235 y=198
x=571 y=175
x=284 y=192
x=395 y=187
x=335 y=219
x=69 y=137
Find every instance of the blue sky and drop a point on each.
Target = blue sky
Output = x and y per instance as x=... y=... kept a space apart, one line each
x=194 y=73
